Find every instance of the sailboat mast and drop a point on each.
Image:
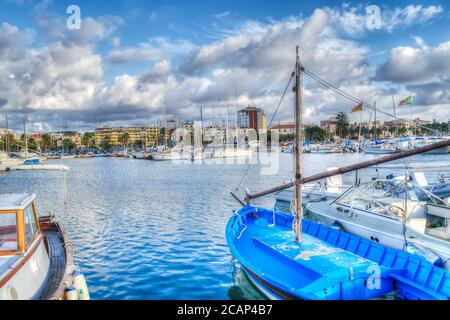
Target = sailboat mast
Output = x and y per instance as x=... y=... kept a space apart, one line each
x=201 y=123
x=235 y=118
x=359 y=132
x=226 y=120
x=298 y=151
x=375 y=120
x=7 y=135
x=165 y=125
x=25 y=136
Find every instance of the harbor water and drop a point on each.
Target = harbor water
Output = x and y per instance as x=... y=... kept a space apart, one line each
x=155 y=230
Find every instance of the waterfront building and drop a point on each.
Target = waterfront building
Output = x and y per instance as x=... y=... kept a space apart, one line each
x=252 y=118
x=73 y=136
x=114 y=136
x=186 y=125
x=285 y=129
x=329 y=125
x=4 y=131
x=37 y=137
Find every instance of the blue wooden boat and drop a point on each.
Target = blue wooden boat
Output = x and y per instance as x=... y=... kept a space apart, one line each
x=327 y=264
x=316 y=262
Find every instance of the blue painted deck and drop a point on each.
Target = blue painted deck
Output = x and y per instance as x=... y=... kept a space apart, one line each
x=328 y=264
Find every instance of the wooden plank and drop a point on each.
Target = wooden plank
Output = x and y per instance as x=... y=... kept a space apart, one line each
x=354 y=167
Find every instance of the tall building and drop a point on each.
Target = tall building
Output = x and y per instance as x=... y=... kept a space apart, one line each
x=252 y=118
x=135 y=134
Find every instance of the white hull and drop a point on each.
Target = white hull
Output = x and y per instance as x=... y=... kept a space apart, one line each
x=232 y=153
x=30 y=279
x=380 y=151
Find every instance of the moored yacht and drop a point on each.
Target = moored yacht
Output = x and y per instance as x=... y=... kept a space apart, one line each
x=381 y=147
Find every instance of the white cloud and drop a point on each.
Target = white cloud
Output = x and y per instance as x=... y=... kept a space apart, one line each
x=115 y=42
x=416 y=65
x=121 y=56
x=92 y=30
x=410 y=15
x=353 y=20
x=60 y=76
x=154 y=49
x=65 y=79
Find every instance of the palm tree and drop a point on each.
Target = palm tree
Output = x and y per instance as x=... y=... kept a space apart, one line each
x=106 y=142
x=68 y=144
x=87 y=137
x=124 y=139
x=342 y=124
x=46 y=142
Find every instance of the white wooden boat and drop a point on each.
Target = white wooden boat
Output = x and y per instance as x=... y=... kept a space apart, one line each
x=36 y=258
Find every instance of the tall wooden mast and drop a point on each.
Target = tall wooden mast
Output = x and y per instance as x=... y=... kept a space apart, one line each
x=298 y=150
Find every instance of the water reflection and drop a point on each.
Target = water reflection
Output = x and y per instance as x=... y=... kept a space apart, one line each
x=156 y=230
x=242 y=288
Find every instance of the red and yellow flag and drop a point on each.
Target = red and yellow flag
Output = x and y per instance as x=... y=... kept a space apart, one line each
x=358 y=107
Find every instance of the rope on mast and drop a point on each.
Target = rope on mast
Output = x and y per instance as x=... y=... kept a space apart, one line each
x=270 y=124
x=350 y=97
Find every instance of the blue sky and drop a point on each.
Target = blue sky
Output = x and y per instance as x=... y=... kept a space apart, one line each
x=131 y=56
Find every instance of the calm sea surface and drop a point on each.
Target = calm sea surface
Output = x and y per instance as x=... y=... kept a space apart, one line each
x=155 y=230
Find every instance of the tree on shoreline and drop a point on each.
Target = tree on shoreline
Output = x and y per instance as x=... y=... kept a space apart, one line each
x=342 y=124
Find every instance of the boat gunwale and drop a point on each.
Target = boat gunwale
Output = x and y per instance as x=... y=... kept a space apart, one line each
x=48 y=224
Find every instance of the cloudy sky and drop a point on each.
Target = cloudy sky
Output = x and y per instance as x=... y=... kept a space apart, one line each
x=128 y=57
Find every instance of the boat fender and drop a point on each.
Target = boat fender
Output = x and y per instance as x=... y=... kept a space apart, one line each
x=80 y=285
x=71 y=293
x=336 y=226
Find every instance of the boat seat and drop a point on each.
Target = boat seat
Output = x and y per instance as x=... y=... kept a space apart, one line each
x=405 y=282
x=337 y=259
